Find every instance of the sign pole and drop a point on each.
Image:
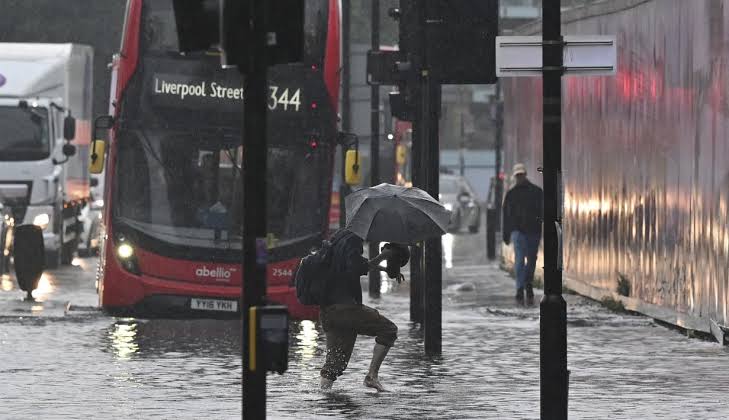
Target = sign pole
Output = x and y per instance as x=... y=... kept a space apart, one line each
x=554 y=377
x=254 y=213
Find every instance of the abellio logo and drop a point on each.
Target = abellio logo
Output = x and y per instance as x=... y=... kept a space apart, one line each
x=2 y=80
x=217 y=273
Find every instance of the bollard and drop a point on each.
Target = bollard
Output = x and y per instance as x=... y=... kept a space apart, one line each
x=491 y=233
x=29 y=257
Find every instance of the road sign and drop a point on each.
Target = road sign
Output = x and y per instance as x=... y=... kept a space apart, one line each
x=592 y=55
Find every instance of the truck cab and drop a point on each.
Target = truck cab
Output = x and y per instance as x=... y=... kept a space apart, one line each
x=45 y=105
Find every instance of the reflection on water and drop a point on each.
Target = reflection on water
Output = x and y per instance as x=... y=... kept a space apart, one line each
x=447 y=242
x=123 y=340
x=306 y=340
x=131 y=337
x=6 y=283
x=45 y=288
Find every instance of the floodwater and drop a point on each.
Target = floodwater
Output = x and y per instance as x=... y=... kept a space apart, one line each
x=61 y=362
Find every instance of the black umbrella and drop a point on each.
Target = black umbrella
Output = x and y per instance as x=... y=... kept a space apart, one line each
x=391 y=213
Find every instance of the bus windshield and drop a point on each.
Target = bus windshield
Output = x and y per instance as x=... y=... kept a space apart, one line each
x=185 y=188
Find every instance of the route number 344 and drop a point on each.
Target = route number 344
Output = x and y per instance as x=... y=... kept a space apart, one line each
x=284 y=99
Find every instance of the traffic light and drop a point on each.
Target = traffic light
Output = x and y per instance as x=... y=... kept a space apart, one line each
x=197 y=24
x=400 y=67
x=461 y=36
x=225 y=24
x=285 y=29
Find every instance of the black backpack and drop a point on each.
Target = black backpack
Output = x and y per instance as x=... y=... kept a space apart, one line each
x=312 y=275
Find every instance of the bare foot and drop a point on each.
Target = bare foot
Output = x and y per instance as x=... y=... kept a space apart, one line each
x=373 y=383
x=325 y=384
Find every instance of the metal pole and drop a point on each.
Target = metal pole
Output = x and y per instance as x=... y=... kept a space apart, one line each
x=254 y=211
x=374 y=284
x=554 y=377
x=433 y=253
x=417 y=279
x=499 y=185
x=346 y=104
x=462 y=149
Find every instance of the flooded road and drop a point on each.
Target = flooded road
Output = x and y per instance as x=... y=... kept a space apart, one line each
x=67 y=362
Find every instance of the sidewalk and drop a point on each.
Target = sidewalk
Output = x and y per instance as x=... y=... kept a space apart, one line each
x=622 y=366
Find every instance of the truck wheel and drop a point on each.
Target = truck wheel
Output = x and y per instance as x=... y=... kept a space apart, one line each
x=29 y=256
x=67 y=251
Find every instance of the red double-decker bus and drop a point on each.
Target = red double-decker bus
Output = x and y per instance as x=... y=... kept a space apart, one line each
x=172 y=230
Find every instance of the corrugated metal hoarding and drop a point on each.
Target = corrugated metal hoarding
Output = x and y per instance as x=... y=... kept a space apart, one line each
x=645 y=154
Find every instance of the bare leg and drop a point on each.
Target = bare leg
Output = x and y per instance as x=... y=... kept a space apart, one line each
x=378 y=355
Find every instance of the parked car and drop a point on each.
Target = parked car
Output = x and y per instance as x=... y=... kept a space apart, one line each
x=6 y=238
x=457 y=196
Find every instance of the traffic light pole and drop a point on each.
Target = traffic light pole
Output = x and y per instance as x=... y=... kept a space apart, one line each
x=554 y=376
x=416 y=254
x=374 y=284
x=254 y=212
x=412 y=12
x=346 y=104
x=433 y=253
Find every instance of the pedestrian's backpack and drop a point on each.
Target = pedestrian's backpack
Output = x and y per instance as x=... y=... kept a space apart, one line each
x=313 y=273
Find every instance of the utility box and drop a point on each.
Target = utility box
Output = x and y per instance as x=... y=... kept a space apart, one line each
x=272 y=335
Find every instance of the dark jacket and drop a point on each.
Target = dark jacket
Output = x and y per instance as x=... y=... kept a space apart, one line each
x=523 y=208
x=348 y=265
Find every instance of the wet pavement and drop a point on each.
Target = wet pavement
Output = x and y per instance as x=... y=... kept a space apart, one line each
x=66 y=362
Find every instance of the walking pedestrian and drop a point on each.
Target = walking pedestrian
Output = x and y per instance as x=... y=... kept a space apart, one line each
x=522 y=226
x=343 y=316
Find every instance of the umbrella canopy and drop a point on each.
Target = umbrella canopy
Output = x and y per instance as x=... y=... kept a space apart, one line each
x=391 y=213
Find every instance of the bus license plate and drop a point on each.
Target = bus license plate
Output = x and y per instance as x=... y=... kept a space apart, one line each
x=214 y=305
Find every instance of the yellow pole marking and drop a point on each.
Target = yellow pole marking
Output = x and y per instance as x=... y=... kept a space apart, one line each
x=252 y=333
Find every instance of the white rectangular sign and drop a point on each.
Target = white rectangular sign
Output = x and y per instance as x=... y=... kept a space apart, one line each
x=592 y=55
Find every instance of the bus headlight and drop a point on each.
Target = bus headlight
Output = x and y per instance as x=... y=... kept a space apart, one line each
x=125 y=251
x=42 y=220
x=127 y=257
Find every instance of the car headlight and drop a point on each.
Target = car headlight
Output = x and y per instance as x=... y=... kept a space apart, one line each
x=98 y=204
x=448 y=206
x=42 y=220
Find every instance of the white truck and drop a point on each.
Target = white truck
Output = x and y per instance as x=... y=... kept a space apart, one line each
x=45 y=131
